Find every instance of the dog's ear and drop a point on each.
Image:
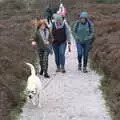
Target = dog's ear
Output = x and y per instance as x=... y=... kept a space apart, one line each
x=26 y=63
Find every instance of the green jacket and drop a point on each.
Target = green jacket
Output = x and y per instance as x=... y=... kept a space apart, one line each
x=40 y=42
x=83 y=32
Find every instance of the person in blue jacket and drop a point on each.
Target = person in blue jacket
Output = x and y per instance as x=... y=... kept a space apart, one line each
x=83 y=32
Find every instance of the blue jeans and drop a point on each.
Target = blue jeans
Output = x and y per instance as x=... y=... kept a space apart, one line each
x=83 y=52
x=59 y=51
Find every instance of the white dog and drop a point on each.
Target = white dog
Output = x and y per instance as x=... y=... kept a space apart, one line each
x=34 y=86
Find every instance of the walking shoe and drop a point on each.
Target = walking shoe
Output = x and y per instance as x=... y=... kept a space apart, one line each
x=58 y=69
x=85 y=70
x=63 y=70
x=41 y=72
x=46 y=75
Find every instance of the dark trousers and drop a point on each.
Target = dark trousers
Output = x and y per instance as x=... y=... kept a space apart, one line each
x=83 y=52
x=43 y=55
x=49 y=20
x=59 y=51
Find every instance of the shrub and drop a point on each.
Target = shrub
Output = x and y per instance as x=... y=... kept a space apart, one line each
x=108 y=1
x=12 y=5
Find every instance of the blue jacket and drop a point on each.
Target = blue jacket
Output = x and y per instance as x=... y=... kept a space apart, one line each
x=83 y=32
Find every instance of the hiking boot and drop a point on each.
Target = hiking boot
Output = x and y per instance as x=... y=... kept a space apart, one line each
x=46 y=75
x=85 y=70
x=58 y=69
x=63 y=70
x=41 y=72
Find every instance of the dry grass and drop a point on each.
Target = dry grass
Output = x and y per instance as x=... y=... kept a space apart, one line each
x=15 y=49
x=106 y=55
x=108 y=1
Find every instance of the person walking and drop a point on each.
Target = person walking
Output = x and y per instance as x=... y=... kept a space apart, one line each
x=61 y=35
x=48 y=14
x=43 y=40
x=83 y=32
x=63 y=12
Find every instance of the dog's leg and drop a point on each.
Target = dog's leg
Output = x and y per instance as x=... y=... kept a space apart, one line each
x=33 y=101
x=28 y=99
x=39 y=104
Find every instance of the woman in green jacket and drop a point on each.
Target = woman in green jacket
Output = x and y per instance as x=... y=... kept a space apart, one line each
x=83 y=32
x=43 y=40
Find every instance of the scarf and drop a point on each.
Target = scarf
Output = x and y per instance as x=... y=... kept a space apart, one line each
x=44 y=34
x=59 y=25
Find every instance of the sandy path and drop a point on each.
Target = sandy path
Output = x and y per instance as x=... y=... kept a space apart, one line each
x=70 y=96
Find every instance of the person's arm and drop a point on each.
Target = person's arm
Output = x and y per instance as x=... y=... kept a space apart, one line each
x=50 y=38
x=34 y=38
x=69 y=35
x=68 y=32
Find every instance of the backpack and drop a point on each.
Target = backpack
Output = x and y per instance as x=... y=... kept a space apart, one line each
x=89 y=25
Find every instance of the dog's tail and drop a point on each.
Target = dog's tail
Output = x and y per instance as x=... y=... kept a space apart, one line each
x=32 y=68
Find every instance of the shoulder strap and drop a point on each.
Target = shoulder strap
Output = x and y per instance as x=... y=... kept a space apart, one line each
x=89 y=25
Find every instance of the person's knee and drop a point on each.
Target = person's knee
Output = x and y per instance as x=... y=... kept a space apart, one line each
x=62 y=54
x=86 y=54
x=80 y=54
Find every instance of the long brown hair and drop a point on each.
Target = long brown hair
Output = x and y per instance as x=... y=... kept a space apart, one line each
x=41 y=22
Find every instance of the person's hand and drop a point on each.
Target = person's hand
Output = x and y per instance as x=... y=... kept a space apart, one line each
x=47 y=43
x=33 y=43
x=69 y=47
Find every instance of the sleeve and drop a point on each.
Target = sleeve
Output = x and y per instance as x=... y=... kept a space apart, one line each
x=68 y=32
x=33 y=35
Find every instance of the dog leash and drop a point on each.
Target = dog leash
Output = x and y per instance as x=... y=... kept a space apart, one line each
x=49 y=82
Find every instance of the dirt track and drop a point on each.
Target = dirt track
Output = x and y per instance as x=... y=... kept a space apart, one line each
x=70 y=96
